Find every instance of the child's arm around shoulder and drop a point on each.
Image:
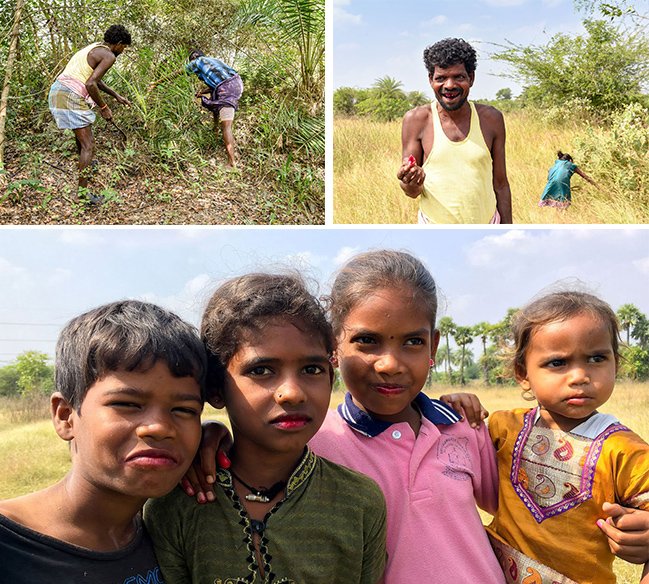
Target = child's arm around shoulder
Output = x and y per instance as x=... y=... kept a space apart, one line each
x=468 y=405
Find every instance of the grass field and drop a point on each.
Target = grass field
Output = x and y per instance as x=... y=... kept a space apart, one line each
x=367 y=156
x=33 y=456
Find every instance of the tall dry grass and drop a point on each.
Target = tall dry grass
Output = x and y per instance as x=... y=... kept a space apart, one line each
x=367 y=156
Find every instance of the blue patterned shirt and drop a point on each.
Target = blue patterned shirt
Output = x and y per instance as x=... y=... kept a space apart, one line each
x=210 y=70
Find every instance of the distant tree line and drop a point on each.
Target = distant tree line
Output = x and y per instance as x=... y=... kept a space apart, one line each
x=455 y=362
x=384 y=101
x=28 y=376
x=458 y=365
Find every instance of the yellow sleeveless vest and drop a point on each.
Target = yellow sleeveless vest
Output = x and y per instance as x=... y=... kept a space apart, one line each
x=459 y=177
x=78 y=67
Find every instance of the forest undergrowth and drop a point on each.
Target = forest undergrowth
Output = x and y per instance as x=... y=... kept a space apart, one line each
x=169 y=165
x=142 y=185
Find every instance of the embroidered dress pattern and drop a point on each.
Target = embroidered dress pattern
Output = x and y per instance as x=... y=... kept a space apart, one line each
x=299 y=476
x=552 y=471
x=520 y=569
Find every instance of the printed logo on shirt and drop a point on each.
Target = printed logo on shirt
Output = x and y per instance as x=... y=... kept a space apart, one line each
x=453 y=452
x=152 y=577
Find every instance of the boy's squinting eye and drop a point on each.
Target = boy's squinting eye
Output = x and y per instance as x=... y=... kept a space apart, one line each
x=415 y=341
x=124 y=404
x=186 y=411
x=597 y=358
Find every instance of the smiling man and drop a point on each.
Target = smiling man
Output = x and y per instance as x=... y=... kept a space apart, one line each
x=453 y=149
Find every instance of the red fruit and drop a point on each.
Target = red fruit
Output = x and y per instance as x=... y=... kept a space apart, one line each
x=222 y=459
x=412 y=160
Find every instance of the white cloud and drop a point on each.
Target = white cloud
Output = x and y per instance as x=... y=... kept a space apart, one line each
x=436 y=20
x=190 y=300
x=642 y=265
x=466 y=27
x=459 y=305
x=58 y=277
x=81 y=236
x=344 y=16
x=493 y=250
x=344 y=254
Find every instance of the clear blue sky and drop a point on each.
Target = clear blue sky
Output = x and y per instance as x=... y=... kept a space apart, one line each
x=49 y=275
x=375 y=38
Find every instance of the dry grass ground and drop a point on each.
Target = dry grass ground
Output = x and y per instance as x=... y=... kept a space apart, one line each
x=367 y=156
x=33 y=457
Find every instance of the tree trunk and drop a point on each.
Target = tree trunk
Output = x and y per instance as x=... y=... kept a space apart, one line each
x=485 y=368
x=462 y=380
x=11 y=57
x=448 y=359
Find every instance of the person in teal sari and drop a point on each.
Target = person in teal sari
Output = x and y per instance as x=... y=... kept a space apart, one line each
x=557 y=190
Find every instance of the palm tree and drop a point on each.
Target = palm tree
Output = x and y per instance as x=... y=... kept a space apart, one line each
x=628 y=315
x=300 y=24
x=463 y=336
x=446 y=328
x=388 y=88
x=416 y=98
x=483 y=330
x=640 y=331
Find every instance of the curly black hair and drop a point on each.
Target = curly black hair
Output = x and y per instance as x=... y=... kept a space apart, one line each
x=117 y=34
x=448 y=52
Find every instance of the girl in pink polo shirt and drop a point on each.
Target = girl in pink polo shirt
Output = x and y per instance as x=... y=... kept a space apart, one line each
x=431 y=464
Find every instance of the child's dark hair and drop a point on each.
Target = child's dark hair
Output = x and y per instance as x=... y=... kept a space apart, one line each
x=368 y=272
x=563 y=156
x=557 y=307
x=449 y=52
x=195 y=53
x=116 y=34
x=243 y=306
x=127 y=335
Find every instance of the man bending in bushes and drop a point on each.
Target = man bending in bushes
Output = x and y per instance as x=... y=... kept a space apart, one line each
x=221 y=94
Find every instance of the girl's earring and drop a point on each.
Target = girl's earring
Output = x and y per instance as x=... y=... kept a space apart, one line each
x=333 y=360
x=431 y=363
x=527 y=393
